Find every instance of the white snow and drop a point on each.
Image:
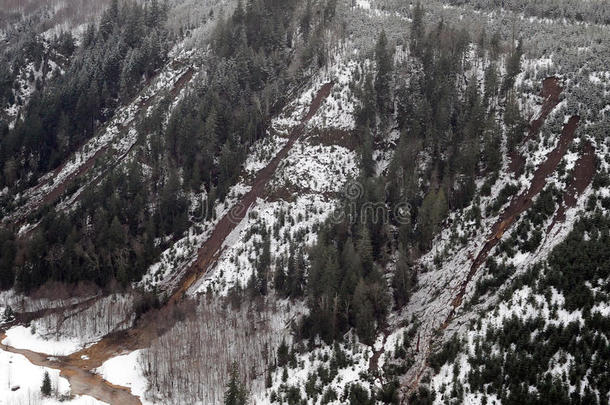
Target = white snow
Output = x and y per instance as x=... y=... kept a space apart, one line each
x=17 y=371
x=21 y=337
x=125 y=371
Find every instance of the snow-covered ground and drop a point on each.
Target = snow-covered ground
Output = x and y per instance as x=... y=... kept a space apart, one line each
x=357 y=357
x=285 y=221
x=165 y=273
x=20 y=383
x=126 y=372
x=119 y=134
x=304 y=189
x=21 y=337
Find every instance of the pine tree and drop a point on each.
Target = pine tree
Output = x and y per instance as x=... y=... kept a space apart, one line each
x=365 y=249
x=45 y=388
x=417 y=30
x=431 y=213
x=264 y=262
x=236 y=393
x=364 y=316
x=8 y=315
x=401 y=282
x=282 y=354
x=367 y=162
x=491 y=81
x=306 y=20
x=513 y=67
x=383 y=58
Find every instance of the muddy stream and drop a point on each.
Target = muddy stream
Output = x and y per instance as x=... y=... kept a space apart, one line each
x=79 y=367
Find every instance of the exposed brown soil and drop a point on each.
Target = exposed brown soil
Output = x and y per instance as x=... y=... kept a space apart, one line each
x=516 y=162
x=517 y=206
x=584 y=170
x=374 y=360
x=334 y=137
x=210 y=250
x=82 y=381
x=550 y=92
x=59 y=189
x=77 y=366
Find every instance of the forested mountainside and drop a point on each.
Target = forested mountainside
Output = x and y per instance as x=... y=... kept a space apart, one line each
x=329 y=201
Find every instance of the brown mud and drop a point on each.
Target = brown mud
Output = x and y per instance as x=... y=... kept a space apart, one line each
x=211 y=249
x=58 y=190
x=582 y=175
x=551 y=90
x=517 y=206
x=82 y=381
x=77 y=367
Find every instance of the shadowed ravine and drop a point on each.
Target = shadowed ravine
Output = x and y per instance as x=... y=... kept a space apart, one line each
x=77 y=367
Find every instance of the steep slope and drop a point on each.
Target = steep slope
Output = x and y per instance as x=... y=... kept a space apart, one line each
x=425 y=212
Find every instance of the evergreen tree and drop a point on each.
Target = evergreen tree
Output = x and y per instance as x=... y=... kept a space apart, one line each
x=431 y=213
x=491 y=81
x=383 y=57
x=45 y=388
x=401 y=281
x=282 y=354
x=367 y=162
x=513 y=67
x=417 y=30
x=364 y=316
x=236 y=393
x=365 y=250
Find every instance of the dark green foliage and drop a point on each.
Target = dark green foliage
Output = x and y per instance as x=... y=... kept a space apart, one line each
x=507 y=192
x=417 y=29
x=8 y=315
x=447 y=354
x=236 y=393
x=497 y=274
x=329 y=396
x=422 y=397
x=8 y=251
x=282 y=354
x=68 y=110
x=344 y=286
x=114 y=231
x=358 y=395
x=402 y=281
x=146 y=302
x=513 y=66
x=528 y=346
x=383 y=57
x=110 y=234
x=389 y=393
x=544 y=206
x=45 y=388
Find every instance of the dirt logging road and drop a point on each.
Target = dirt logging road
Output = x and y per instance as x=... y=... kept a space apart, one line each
x=79 y=367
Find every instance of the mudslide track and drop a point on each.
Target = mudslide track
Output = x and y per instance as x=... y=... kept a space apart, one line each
x=211 y=249
x=583 y=173
x=82 y=381
x=584 y=170
x=517 y=207
x=551 y=90
x=78 y=367
x=40 y=197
